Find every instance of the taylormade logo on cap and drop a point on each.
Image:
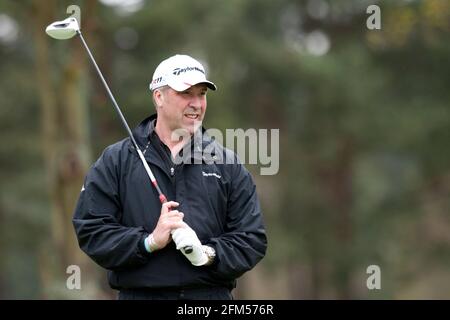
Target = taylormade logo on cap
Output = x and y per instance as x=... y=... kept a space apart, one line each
x=180 y=72
x=177 y=71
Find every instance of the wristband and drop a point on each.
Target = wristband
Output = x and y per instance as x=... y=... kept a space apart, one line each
x=147 y=247
x=150 y=244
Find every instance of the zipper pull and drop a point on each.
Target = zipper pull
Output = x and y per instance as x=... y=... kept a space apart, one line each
x=172 y=171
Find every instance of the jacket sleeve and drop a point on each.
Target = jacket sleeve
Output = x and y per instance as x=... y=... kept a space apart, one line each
x=244 y=242
x=97 y=219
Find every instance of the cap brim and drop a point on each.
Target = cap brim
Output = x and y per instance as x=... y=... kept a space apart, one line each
x=210 y=85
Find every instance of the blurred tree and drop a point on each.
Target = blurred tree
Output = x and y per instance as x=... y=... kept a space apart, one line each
x=65 y=136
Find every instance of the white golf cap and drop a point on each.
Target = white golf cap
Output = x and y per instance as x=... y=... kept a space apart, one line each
x=180 y=72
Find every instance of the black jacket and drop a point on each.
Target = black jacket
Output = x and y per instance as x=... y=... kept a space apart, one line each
x=118 y=207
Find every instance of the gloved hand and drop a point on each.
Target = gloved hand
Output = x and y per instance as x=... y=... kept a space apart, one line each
x=187 y=237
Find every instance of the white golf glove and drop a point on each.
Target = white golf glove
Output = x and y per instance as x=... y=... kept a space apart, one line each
x=184 y=237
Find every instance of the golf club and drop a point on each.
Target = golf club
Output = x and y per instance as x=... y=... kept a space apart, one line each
x=67 y=29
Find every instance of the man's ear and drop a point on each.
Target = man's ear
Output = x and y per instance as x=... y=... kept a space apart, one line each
x=158 y=97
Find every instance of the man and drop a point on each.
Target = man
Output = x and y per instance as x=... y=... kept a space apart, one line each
x=215 y=210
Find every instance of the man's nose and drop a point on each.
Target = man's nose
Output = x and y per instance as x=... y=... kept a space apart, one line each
x=196 y=102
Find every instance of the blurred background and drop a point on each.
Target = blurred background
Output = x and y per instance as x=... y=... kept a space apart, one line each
x=364 y=120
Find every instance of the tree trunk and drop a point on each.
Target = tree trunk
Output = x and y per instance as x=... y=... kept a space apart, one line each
x=341 y=200
x=64 y=134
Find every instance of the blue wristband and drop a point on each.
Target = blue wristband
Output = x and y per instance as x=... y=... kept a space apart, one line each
x=147 y=247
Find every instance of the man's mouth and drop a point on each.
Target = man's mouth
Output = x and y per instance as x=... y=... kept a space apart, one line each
x=193 y=116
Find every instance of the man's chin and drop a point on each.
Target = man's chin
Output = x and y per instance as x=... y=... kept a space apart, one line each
x=185 y=130
x=192 y=126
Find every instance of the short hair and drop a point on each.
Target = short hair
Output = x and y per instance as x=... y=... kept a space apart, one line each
x=162 y=89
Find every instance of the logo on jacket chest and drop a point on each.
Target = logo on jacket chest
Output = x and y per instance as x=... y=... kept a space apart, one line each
x=212 y=174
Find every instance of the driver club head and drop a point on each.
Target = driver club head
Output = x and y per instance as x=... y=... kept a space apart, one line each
x=64 y=29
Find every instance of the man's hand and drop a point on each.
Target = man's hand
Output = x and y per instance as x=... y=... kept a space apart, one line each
x=168 y=220
x=184 y=237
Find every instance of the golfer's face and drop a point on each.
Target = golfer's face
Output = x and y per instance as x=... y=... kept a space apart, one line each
x=185 y=109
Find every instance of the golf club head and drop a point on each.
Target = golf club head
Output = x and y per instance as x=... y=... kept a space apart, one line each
x=63 y=30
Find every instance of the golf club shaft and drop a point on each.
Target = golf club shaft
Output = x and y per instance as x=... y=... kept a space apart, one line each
x=162 y=197
x=109 y=91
